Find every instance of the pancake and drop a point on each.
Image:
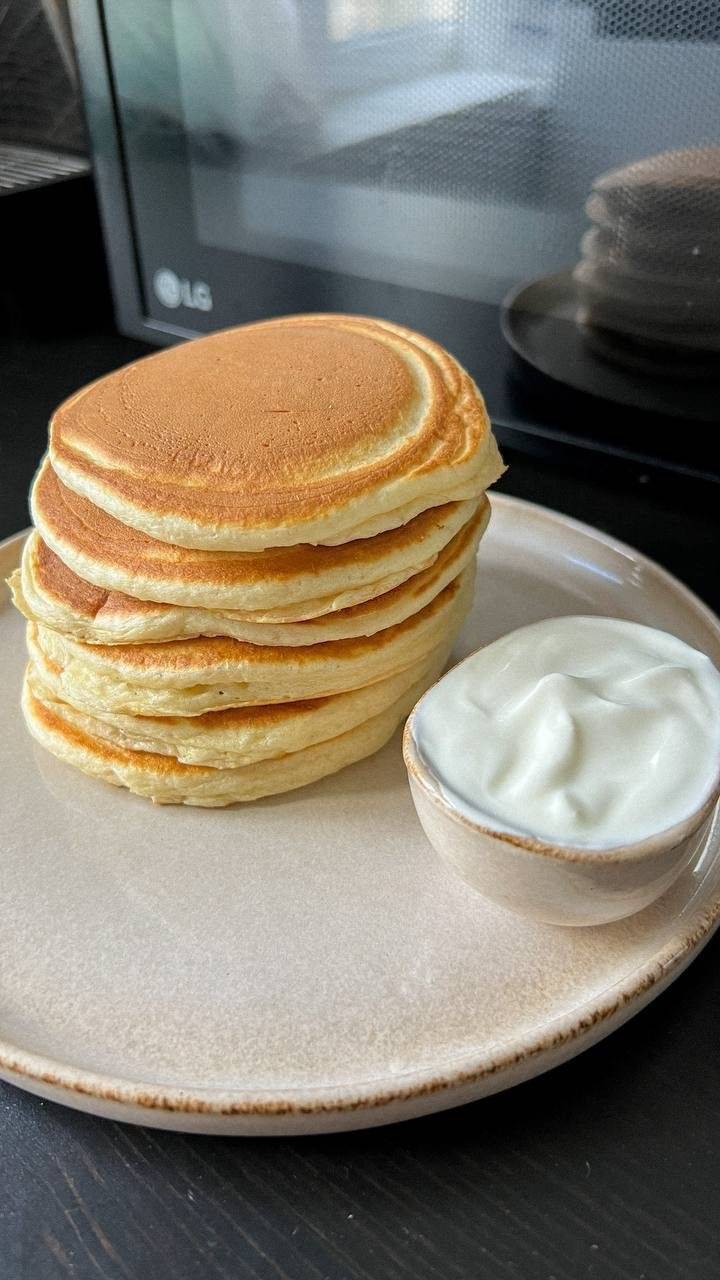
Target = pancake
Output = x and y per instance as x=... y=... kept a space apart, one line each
x=242 y=735
x=621 y=299
x=648 y=284
x=285 y=585
x=693 y=261
x=189 y=677
x=63 y=732
x=46 y=591
x=681 y=185
x=303 y=429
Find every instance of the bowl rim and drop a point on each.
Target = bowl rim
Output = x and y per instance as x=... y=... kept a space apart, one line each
x=648 y=847
x=644 y=979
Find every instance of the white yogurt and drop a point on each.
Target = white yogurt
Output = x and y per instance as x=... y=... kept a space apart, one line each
x=586 y=731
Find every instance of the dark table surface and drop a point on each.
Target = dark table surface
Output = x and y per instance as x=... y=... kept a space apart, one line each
x=605 y=1168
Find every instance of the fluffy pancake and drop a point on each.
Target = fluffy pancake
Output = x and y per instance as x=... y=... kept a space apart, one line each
x=681 y=185
x=189 y=677
x=278 y=585
x=303 y=429
x=46 y=591
x=621 y=299
x=648 y=282
x=165 y=780
x=242 y=735
x=643 y=259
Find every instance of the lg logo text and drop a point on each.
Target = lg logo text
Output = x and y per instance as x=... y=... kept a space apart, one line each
x=176 y=291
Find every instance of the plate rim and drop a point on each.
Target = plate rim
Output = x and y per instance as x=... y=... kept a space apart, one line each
x=579 y=1029
x=617 y=384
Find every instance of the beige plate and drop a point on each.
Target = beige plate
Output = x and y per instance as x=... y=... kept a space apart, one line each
x=304 y=963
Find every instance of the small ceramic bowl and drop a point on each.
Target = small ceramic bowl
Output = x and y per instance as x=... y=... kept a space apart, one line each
x=554 y=883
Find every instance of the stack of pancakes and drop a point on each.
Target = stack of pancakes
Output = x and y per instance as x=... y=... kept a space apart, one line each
x=649 y=280
x=251 y=555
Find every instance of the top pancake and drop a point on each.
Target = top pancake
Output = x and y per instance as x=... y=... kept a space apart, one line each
x=685 y=169
x=304 y=429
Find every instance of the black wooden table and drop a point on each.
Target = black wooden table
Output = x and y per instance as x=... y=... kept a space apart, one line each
x=606 y=1168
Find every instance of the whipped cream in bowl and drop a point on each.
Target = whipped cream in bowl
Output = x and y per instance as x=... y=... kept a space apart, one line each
x=569 y=770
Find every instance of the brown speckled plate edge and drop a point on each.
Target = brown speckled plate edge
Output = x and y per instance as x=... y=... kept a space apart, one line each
x=404 y=1096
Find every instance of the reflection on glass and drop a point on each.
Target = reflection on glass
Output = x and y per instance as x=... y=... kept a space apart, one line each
x=347 y=18
x=447 y=145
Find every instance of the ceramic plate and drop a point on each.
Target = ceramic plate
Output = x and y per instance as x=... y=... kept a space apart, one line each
x=538 y=321
x=305 y=963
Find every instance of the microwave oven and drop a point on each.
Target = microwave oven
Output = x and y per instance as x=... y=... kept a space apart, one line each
x=425 y=160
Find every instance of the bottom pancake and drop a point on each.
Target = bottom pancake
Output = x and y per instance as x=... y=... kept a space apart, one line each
x=165 y=780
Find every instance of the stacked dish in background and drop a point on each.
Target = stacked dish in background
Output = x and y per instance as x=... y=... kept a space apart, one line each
x=251 y=554
x=648 y=285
